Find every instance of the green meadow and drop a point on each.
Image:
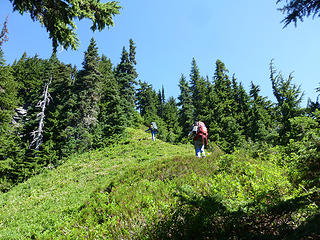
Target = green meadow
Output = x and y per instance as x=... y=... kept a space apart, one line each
x=140 y=189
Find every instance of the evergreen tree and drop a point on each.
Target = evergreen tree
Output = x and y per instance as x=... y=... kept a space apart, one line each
x=8 y=92
x=222 y=89
x=29 y=73
x=88 y=90
x=171 y=118
x=298 y=9
x=111 y=115
x=163 y=98
x=88 y=85
x=199 y=90
x=194 y=77
x=260 y=118
x=313 y=106
x=147 y=101
x=241 y=106
x=288 y=97
x=186 y=107
x=223 y=127
x=126 y=75
x=58 y=17
x=59 y=116
x=10 y=149
x=161 y=102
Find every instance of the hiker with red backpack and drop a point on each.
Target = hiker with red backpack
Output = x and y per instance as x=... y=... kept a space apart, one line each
x=200 y=137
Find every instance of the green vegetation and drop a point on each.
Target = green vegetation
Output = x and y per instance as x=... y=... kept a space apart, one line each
x=59 y=18
x=140 y=189
x=298 y=10
x=73 y=164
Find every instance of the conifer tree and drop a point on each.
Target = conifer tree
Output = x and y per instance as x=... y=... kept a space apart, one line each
x=220 y=93
x=186 y=107
x=29 y=73
x=298 y=10
x=241 y=106
x=58 y=17
x=194 y=76
x=111 y=115
x=8 y=92
x=289 y=97
x=88 y=85
x=126 y=75
x=87 y=89
x=201 y=103
x=223 y=127
x=59 y=116
x=312 y=106
x=171 y=118
x=163 y=97
x=199 y=91
x=161 y=102
x=222 y=88
x=10 y=149
x=147 y=101
x=260 y=117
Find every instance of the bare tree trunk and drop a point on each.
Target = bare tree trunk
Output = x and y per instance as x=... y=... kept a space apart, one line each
x=37 y=134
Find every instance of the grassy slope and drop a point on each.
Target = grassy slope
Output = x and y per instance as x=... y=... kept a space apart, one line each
x=139 y=189
x=52 y=199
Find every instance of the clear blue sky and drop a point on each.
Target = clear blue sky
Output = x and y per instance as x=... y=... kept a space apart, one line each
x=245 y=35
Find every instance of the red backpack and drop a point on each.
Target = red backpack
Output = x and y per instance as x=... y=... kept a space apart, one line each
x=201 y=132
x=202 y=128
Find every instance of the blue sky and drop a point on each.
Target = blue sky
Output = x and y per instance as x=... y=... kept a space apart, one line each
x=245 y=35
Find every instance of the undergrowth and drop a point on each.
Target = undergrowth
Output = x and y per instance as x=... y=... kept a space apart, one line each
x=139 y=189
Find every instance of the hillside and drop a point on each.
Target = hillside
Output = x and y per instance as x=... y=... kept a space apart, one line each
x=139 y=189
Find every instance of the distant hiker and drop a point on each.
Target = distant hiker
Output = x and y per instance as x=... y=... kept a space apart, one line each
x=154 y=129
x=200 y=137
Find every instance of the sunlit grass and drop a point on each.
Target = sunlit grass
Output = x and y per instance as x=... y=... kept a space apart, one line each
x=140 y=189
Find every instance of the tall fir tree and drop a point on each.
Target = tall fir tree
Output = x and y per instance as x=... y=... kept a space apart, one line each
x=126 y=75
x=147 y=101
x=111 y=114
x=88 y=91
x=88 y=85
x=11 y=152
x=59 y=116
x=186 y=106
x=171 y=118
x=223 y=127
x=260 y=117
x=289 y=97
x=8 y=91
x=241 y=106
x=223 y=90
x=199 y=91
x=312 y=106
x=161 y=102
x=29 y=72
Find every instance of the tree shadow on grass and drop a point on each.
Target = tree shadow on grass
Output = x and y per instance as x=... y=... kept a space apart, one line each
x=207 y=218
